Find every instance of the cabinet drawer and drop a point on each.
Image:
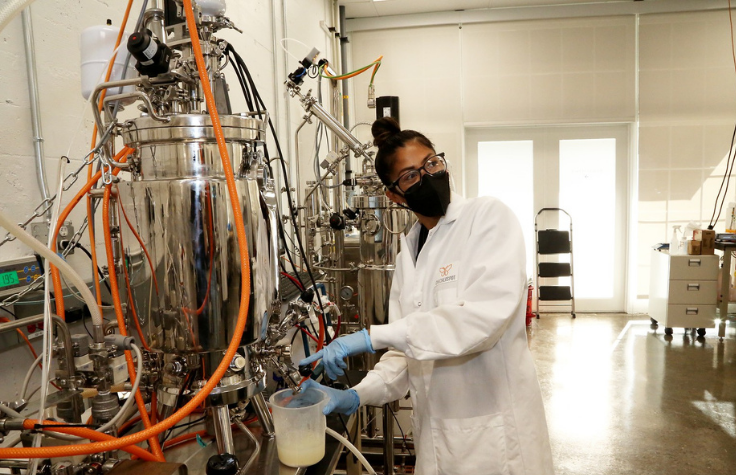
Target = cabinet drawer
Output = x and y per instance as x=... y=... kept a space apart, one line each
x=691 y=292
x=694 y=267
x=690 y=316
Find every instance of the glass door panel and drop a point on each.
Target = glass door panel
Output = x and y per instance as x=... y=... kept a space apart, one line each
x=581 y=169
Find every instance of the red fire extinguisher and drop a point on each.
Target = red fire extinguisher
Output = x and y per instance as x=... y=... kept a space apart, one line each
x=529 y=313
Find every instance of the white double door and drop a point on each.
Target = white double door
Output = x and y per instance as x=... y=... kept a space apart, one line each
x=581 y=169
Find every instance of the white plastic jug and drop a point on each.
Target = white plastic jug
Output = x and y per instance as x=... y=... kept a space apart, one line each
x=299 y=425
x=96 y=45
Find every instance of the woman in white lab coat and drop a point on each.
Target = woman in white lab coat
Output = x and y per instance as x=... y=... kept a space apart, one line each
x=456 y=335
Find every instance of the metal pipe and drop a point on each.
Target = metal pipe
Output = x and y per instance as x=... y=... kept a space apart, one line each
x=299 y=173
x=139 y=81
x=276 y=100
x=285 y=34
x=153 y=19
x=30 y=50
x=223 y=431
x=336 y=127
x=67 y=338
x=345 y=92
x=19 y=323
x=264 y=415
x=140 y=95
x=256 y=449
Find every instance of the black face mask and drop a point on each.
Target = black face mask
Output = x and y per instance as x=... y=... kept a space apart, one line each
x=431 y=196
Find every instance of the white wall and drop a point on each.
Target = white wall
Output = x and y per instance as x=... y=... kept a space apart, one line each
x=577 y=70
x=421 y=66
x=688 y=95
x=57 y=28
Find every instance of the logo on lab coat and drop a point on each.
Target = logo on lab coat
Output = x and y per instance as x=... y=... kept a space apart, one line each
x=444 y=271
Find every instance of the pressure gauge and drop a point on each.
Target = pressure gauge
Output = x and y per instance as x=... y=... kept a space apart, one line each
x=346 y=293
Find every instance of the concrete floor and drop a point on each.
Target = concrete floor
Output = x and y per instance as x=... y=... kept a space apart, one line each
x=622 y=398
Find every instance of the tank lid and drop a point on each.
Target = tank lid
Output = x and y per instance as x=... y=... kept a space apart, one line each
x=193 y=127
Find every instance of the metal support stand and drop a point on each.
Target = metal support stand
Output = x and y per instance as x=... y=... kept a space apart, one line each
x=352 y=464
x=388 y=438
x=264 y=415
x=223 y=431
x=725 y=288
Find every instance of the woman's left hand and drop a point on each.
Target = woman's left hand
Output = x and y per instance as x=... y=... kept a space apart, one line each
x=334 y=354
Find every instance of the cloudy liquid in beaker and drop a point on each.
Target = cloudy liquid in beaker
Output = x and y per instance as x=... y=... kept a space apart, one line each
x=300 y=449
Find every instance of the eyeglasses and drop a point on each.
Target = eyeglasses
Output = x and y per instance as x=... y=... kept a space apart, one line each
x=432 y=166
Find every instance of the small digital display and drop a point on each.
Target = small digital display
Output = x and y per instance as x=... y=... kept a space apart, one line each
x=8 y=278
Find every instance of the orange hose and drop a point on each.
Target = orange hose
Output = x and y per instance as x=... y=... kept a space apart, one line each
x=29 y=424
x=152 y=441
x=90 y=220
x=171 y=421
x=56 y=279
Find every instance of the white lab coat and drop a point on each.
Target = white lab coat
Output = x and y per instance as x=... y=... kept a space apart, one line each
x=458 y=345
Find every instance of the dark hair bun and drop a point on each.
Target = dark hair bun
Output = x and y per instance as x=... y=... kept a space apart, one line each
x=383 y=129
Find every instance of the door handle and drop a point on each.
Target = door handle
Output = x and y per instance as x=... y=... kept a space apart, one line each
x=691 y=311
x=693 y=263
x=693 y=287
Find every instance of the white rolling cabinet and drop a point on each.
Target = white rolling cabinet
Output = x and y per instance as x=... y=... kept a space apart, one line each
x=683 y=291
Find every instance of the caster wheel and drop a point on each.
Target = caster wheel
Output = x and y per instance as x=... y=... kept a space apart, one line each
x=668 y=331
x=654 y=322
x=574 y=316
x=701 y=331
x=537 y=316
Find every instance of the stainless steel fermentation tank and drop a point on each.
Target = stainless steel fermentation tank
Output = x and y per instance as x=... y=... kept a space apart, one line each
x=360 y=272
x=179 y=203
x=381 y=223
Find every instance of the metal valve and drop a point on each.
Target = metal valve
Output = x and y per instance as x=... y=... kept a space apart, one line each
x=238 y=363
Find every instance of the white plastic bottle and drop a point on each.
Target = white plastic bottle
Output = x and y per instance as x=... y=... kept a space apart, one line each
x=675 y=241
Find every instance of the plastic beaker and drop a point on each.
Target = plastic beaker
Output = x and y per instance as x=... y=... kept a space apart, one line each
x=299 y=425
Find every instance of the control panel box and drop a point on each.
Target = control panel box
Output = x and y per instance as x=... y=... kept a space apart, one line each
x=16 y=274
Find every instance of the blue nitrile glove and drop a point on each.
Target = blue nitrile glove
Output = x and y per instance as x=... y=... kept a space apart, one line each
x=341 y=401
x=334 y=354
